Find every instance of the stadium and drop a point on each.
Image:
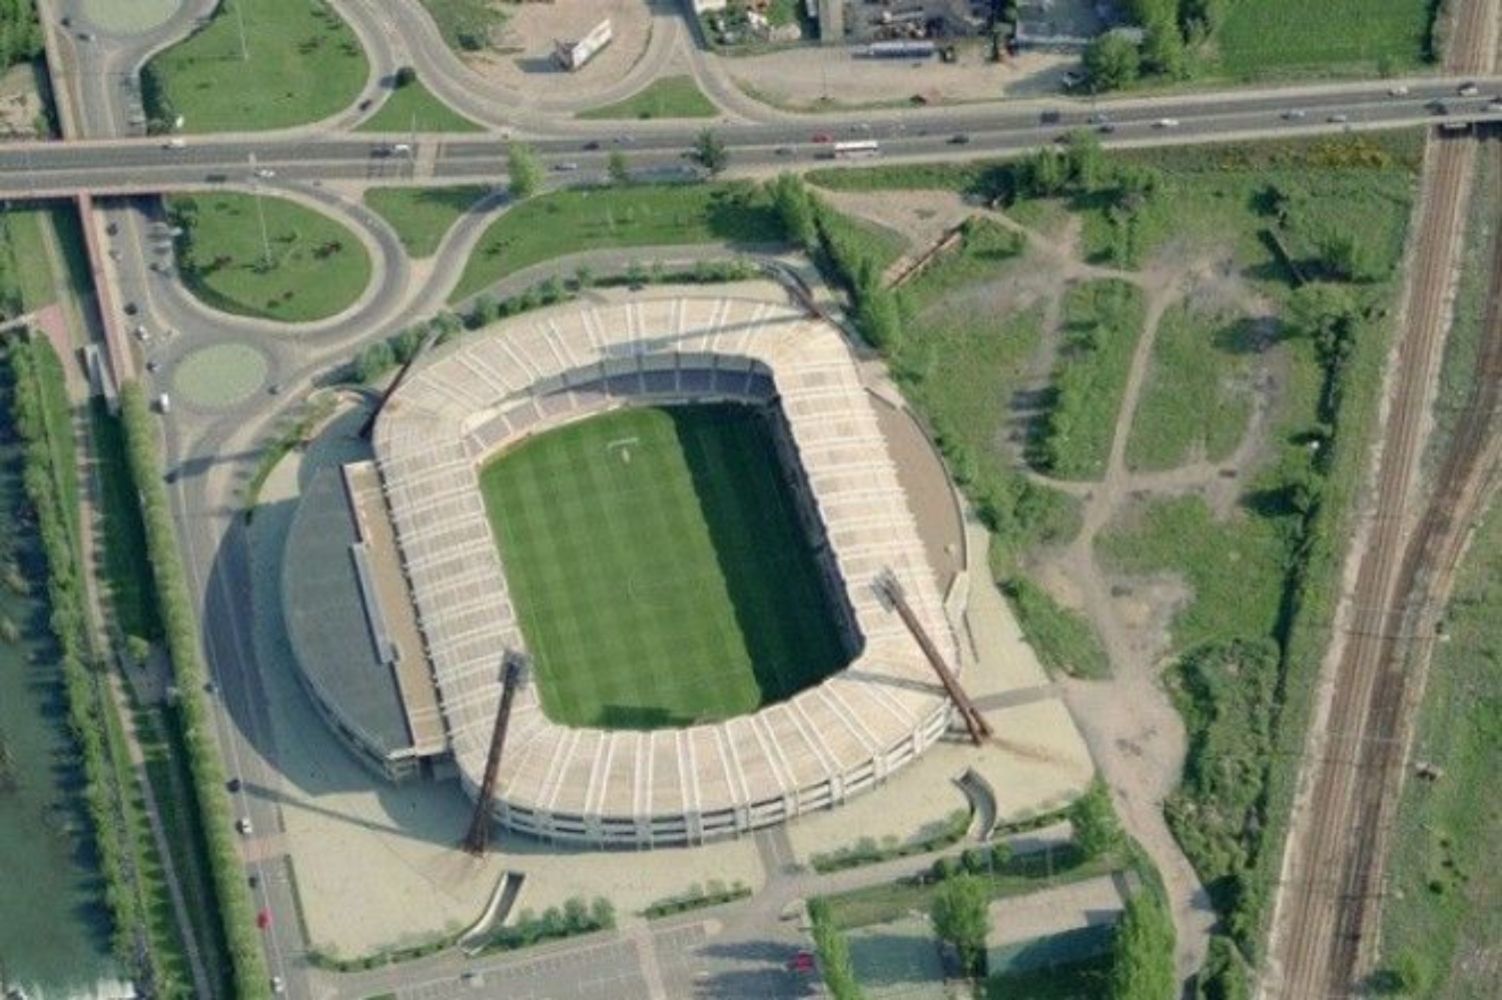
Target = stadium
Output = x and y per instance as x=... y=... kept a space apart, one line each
x=678 y=512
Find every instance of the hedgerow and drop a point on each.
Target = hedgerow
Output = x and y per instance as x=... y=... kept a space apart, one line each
x=180 y=632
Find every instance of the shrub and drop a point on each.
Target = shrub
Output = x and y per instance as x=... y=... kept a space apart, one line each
x=1096 y=828
x=834 y=954
x=1142 y=966
x=961 y=916
x=576 y=917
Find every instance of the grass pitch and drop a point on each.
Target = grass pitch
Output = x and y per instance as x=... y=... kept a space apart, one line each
x=656 y=562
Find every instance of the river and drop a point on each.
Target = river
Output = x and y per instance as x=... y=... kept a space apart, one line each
x=54 y=927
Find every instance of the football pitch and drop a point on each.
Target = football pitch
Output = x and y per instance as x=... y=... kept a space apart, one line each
x=657 y=566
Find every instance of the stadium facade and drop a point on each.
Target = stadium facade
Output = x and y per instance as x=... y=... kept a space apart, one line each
x=398 y=607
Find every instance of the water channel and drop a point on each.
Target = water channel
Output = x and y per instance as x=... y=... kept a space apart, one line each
x=54 y=927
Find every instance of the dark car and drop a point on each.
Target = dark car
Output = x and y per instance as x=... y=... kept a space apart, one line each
x=592 y=145
x=959 y=139
x=233 y=785
x=1049 y=118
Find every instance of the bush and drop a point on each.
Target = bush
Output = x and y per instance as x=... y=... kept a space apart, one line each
x=576 y=917
x=181 y=636
x=961 y=916
x=1097 y=831
x=696 y=897
x=834 y=954
x=44 y=478
x=1142 y=967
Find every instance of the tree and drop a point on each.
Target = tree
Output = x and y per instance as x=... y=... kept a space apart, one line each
x=1163 y=50
x=1201 y=18
x=1086 y=161
x=1143 y=968
x=834 y=953
x=710 y=152
x=523 y=170
x=405 y=77
x=583 y=277
x=617 y=168
x=1112 y=61
x=1096 y=829
x=961 y=916
x=137 y=648
x=795 y=209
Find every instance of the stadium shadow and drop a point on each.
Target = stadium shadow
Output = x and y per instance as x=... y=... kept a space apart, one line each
x=272 y=712
x=771 y=573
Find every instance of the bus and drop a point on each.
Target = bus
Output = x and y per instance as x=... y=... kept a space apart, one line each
x=858 y=148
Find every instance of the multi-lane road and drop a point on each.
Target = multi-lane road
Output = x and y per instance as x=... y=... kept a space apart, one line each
x=149 y=165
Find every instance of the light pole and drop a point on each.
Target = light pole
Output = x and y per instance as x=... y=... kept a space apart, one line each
x=255 y=182
x=240 y=19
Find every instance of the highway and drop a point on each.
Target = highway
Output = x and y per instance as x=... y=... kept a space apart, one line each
x=150 y=165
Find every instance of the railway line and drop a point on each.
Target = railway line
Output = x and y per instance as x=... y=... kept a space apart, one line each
x=1327 y=919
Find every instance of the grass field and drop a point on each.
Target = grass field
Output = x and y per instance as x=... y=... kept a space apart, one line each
x=1102 y=321
x=465 y=24
x=25 y=274
x=317 y=266
x=1458 y=371
x=1064 y=639
x=963 y=356
x=1277 y=36
x=1197 y=400
x=667 y=97
x=299 y=63
x=421 y=216
x=564 y=222
x=1025 y=873
x=1442 y=925
x=658 y=568
x=414 y=108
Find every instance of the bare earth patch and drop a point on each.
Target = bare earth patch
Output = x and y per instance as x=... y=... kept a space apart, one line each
x=522 y=58
x=809 y=78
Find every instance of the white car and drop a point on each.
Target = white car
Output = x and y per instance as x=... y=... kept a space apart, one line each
x=1166 y=123
x=401 y=148
x=176 y=142
x=1397 y=91
x=265 y=173
x=243 y=825
x=1468 y=90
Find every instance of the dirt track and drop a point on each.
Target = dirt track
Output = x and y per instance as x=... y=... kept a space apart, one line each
x=1326 y=923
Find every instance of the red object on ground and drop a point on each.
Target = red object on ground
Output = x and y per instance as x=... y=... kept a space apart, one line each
x=802 y=962
x=263 y=919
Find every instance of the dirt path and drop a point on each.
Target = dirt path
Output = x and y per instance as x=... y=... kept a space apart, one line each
x=1134 y=733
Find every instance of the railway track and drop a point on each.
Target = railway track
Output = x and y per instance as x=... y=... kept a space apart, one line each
x=1326 y=927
